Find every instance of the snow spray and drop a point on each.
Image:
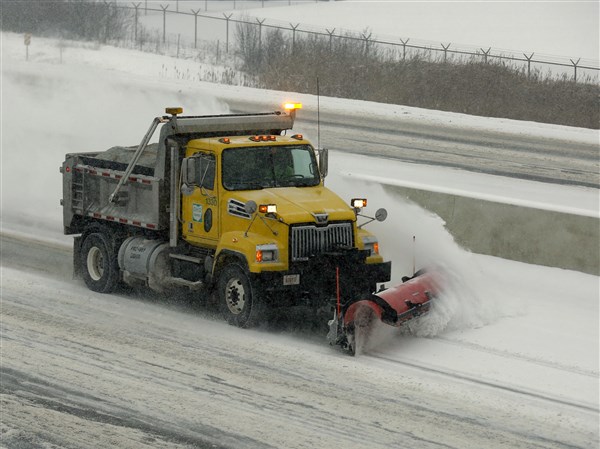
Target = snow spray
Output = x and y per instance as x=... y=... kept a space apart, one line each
x=414 y=238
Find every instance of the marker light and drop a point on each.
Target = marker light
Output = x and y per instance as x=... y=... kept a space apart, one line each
x=298 y=136
x=371 y=244
x=290 y=106
x=263 y=138
x=267 y=208
x=225 y=140
x=358 y=203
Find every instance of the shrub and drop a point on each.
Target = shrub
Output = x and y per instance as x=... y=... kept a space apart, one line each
x=75 y=19
x=352 y=68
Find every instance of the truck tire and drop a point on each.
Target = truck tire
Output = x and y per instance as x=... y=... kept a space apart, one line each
x=99 y=263
x=240 y=301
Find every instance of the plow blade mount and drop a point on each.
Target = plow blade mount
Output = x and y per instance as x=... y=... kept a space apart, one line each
x=394 y=306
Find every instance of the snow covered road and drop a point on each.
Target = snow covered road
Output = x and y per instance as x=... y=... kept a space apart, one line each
x=130 y=371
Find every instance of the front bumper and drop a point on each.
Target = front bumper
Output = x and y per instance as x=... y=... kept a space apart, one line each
x=315 y=281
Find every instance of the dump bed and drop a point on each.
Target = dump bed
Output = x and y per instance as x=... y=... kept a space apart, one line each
x=90 y=179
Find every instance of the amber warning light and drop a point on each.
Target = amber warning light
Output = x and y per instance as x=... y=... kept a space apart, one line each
x=174 y=111
x=358 y=203
x=290 y=106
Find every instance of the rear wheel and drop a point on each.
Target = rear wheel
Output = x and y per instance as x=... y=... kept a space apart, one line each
x=99 y=263
x=240 y=301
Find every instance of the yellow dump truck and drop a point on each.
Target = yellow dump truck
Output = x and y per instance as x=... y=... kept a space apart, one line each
x=233 y=204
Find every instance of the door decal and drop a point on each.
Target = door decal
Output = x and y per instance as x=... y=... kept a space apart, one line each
x=197 y=212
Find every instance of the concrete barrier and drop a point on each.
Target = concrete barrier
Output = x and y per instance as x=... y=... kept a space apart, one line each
x=525 y=234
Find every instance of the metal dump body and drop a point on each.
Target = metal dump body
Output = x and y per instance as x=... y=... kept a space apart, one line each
x=131 y=185
x=88 y=183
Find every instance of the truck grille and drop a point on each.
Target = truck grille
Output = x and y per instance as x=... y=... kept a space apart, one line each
x=310 y=240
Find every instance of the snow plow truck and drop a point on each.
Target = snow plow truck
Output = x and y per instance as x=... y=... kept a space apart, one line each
x=234 y=205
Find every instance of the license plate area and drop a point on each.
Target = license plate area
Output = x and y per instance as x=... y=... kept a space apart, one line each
x=291 y=279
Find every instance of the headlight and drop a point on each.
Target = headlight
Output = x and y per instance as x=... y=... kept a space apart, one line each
x=267 y=253
x=371 y=244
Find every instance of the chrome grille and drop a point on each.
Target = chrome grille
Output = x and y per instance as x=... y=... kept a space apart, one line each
x=310 y=240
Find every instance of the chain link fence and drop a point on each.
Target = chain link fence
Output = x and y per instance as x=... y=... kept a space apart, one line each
x=200 y=28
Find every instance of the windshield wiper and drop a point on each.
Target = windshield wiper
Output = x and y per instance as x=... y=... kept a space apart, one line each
x=306 y=182
x=247 y=185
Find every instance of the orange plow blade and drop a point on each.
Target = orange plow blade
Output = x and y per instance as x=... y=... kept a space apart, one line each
x=394 y=306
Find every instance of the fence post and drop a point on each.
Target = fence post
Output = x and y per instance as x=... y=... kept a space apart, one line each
x=195 y=27
x=145 y=7
x=445 y=47
x=330 y=37
x=404 y=48
x=205 y=5
x=294 y=35
x=529 y=58
x=107 y=4
x=485 y=54
x=366 y=38
x=135 y=24
x=227 y=17
x=260 y=22
x=164 y=9
x=27 y=42
x=575 y=67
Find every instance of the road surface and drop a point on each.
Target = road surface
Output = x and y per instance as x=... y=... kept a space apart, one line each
x=81 y=369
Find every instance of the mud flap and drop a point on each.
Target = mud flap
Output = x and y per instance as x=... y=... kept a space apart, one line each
x=77 y=271
x=336 y=334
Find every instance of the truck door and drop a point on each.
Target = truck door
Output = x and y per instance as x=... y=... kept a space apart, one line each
x=200 y=200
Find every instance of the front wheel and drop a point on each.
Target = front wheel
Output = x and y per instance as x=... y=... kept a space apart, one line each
x=99 y=263
x=240 y=301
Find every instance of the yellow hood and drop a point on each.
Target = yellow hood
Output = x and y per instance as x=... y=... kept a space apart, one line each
x=301 y=204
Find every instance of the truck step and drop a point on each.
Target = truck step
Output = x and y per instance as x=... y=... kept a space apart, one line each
x=186 y=258
x=180 y=282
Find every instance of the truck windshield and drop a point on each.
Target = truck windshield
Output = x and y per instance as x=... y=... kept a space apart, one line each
x=250 y=168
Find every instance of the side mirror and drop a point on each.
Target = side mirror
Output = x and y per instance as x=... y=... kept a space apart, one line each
x=323 y=161
x=188 y=171
x=381 y=214
x=250 y=207
x=197 y=171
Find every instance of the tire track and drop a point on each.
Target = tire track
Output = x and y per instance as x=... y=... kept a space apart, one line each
x=487 y=383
